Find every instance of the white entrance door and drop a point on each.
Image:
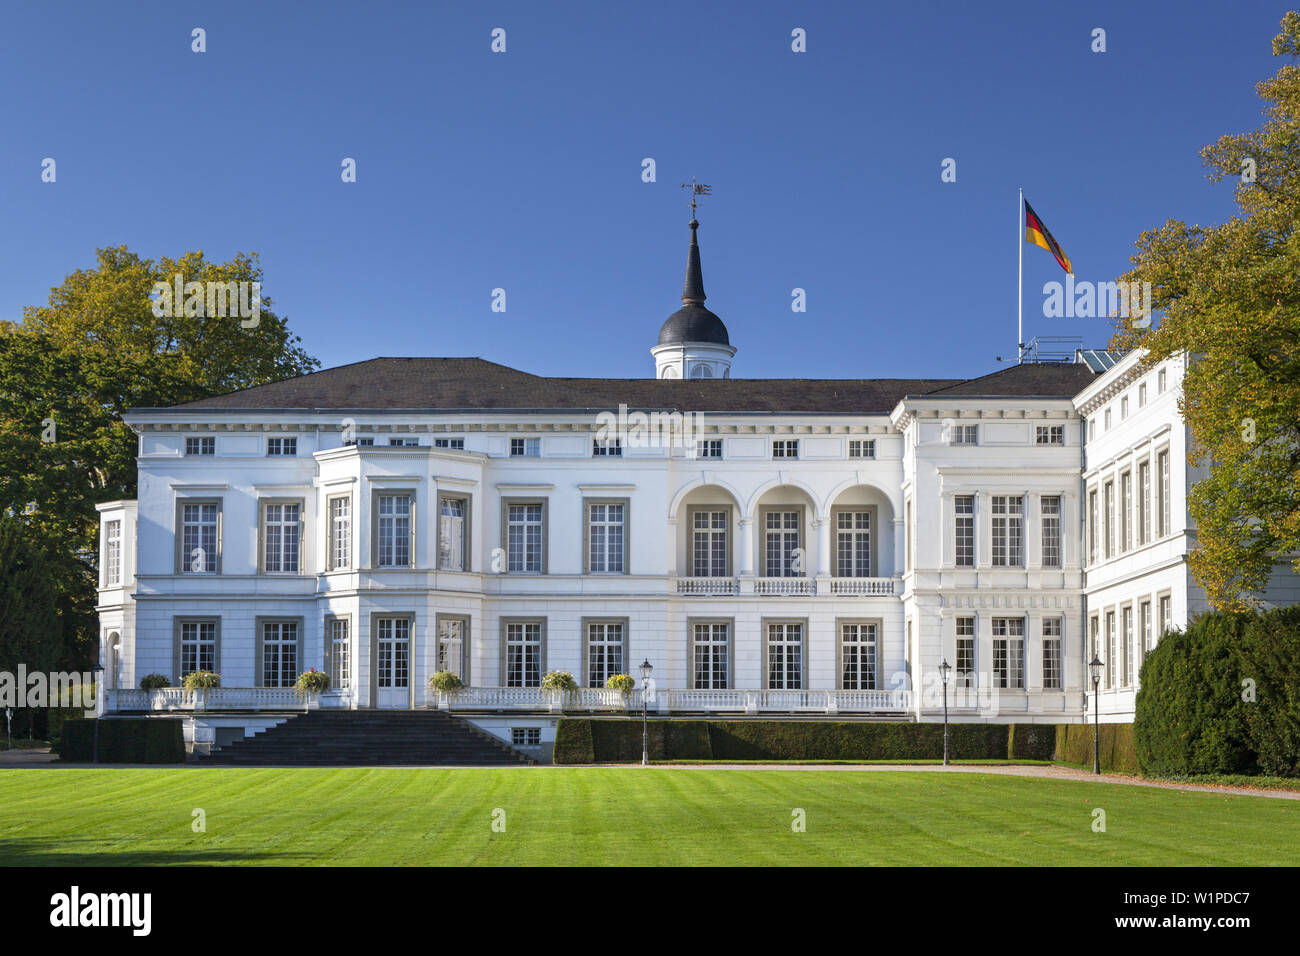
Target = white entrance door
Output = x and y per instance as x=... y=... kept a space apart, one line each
x=393 y=663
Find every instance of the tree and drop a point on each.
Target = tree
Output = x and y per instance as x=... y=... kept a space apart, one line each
x=75 y=365
x=31 y=631
x=1230 y=297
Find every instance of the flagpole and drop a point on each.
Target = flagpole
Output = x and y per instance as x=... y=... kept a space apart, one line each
x=1020 y=279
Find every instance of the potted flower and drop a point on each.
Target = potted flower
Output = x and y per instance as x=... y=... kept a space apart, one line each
x=201 y=682
x=313 y=683
x=443 y=684
x=561 y=685
x=155 y=682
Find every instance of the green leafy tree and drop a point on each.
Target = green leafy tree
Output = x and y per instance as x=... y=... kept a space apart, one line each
x=1230 y=297
x=31 y=630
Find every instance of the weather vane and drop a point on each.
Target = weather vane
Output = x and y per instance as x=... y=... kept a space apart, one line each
x=697 y=189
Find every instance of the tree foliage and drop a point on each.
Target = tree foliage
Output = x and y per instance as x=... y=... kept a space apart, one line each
x=1230 y=297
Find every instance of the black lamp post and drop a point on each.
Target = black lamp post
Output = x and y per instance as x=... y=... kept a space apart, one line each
x=98 y=671
x=646 y=669
x=1094 y=667
x=944 y=668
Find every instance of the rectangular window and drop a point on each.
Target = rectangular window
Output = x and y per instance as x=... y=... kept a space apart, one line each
x=282 y=446
x=607 y=448
x=198 y=647
x=862 y=448
x=340 y=654
x=1093 y=630
x=858 y=656
x=1092 y=526
x=1092 y=428
x=1123 y=408
x=394 y=653
x=606 y=538
x=964 y=670
x=1142 y=395
x=452 y=541
x=1160 y=382
x=1144 y=503
x=394 y=526
x=964 y=530
x=359 y=442
x=853 y=544
x=964 y=435
x=1051 y=508
x=340 y=518
x=526 y=736
x=1008 y=531
x=1144 y=623
x=708 y=448
x=453 y=444
x=781 y=545
x=711 y=645
x=451 y=645
x=524 y=529
x=784 y=656
x=1126 y=648
x=199 y=537
x=279 y=653
x=709 y=543
x=403 y=443
x=785 y=448
x=525 y=447
x=604 y=653
x=201 y=446
x=1126 y=510
x=1162 y=469
x=1009 y=652
x=1107 y=423
x=112 y=553
x=523 y=654
x=909 y=535
x=1166 y=614
x=1049 y=435
x=1112 y=652
x=1052 y=653
x=280 y=535
x=1110 y=519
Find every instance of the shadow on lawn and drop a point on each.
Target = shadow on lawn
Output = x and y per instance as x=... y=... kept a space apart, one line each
x=67 y=853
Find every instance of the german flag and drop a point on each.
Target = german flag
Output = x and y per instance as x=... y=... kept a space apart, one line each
x=1036 y=233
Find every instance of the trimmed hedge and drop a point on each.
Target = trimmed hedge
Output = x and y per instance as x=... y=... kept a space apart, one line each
x=1115 y=741
x=1223 y=697
x=123 y=740
x=581 y=740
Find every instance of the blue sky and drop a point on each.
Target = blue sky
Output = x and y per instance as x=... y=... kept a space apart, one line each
x=522 y=170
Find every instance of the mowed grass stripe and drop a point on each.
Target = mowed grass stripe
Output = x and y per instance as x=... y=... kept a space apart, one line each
x=622 y=816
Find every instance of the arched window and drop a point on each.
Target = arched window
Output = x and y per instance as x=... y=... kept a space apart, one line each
x=701 y=371
x=669 y=372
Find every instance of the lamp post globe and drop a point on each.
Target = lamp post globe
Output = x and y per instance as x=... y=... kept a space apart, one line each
x=944 y=668
x=646 y=670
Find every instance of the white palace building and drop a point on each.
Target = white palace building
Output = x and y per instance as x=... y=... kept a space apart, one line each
x=772 y=547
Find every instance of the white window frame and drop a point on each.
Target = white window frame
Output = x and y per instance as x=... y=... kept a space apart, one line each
x=1007 y=515
x=525 y=447
x=785 y=448
x=203 y=446
x=282 y=446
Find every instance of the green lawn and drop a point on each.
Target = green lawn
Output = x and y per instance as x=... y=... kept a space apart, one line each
x=595 y=815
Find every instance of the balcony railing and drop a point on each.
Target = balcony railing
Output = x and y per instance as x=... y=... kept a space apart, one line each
x=213 y=698
x=785 y=586
x=862 y=587
x=708 y=586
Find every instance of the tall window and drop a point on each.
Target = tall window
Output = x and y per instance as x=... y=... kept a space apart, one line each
x=965 y=666
x=340 y=533
x=1008 y=531
x=1123 y=408
x=964 y=530
x=279 y=653
x=709 y=544
x=199 y=537
x=1052 y=653
x=198 y=647
x=1110 y=519
x=605 y=538
x=394 y=658
x=1009 y=652
x=1144 y=503
x=1142 y=395
x=1093 y=630
x=785 y=656
x=1126 y=525
x=1051 y=507
x=394 y=531
x=1160 y=382
x=1126 y=648
x=785 y=448
x=1049 y=434
x=1162 y=467
x=451 y=645
x=604 y=653
x=340 y=654
x=524 y=537
x=280 y=537
x=112 y=553
x=1166 y=614
x=853 y=544
x=523 y=654
x=710 y=664
x=781 y=544
x=858 y=656
x=201 y=446
x=1092 y=526
x=909 y=535
x=282 y=446
x=451 y=534
x=1144 y=622
x=1111 y=651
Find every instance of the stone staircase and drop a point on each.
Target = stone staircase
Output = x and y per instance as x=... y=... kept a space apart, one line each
x=356 y=738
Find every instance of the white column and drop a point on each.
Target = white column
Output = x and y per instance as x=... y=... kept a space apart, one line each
x=824 y=567
x=746 y=562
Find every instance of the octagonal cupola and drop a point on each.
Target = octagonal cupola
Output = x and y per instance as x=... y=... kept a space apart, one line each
x=693 y=342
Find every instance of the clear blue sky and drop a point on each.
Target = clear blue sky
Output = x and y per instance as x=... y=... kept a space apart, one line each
x=522 y=170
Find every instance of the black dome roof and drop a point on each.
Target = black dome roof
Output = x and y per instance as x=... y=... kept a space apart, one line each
x=693 y=323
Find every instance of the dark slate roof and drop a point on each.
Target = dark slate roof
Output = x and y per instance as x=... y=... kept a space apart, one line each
x=693 y=323
x=472 y=384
